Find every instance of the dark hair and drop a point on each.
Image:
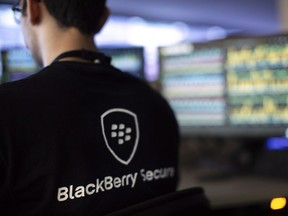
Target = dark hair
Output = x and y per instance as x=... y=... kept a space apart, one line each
x=82 y=14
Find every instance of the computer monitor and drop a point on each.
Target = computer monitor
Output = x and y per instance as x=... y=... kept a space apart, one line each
x=193 y=81
x=257 y=81
x=127 y=59
x=17 y=63
x=232 y=87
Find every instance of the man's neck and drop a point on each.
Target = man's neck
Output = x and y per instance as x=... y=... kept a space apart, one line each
x=54 y=43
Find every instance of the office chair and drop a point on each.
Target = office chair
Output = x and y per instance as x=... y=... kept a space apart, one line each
x=190 y=201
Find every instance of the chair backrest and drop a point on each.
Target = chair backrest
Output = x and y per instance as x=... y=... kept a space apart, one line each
x=190 y=201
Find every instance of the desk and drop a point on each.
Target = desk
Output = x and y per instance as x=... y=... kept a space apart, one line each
x=235 y=190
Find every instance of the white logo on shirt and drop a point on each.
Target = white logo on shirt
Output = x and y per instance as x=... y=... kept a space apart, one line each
x=120 y=130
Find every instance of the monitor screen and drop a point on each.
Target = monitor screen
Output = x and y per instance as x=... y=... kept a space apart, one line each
x=232 y=87
x=257 y=81
x=17 y=63
x=128 y=59
x=276 y=143
x=193 y=81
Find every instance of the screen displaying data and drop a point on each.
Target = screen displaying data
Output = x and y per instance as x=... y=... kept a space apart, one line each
x=193 y=81
x=17 y=64
x=232 y=86
x=257 y=81
x=130 y=59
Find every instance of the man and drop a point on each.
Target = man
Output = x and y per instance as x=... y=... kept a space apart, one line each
x=80 y=137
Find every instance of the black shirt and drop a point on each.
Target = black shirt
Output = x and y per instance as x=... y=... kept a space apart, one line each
x=83 y=139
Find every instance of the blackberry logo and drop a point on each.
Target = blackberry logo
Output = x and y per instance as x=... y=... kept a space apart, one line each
x=120 y=130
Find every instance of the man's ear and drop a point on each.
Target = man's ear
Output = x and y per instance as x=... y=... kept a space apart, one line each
x=33 y=11
x=104 y=18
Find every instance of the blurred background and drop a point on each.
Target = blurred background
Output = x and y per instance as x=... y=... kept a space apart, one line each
x=223 y=67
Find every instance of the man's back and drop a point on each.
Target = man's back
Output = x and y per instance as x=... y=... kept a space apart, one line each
x=83 y=138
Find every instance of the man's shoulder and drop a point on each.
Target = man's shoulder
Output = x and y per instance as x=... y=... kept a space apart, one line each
x=18 y=85
x=7 y=89
x=14 y=87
